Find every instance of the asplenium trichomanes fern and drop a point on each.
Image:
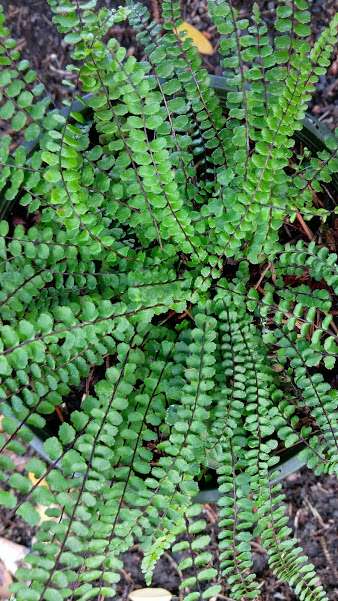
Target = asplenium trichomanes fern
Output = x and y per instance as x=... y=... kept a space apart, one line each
x=130 y=286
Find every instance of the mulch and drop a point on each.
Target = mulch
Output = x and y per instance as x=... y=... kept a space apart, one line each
x=312 y=503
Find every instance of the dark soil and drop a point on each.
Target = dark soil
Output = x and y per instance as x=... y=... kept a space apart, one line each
x=312 y=502
x=312 y=506
x=31 y=23
x=15 y=529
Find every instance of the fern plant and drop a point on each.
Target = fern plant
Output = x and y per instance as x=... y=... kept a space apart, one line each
x=131 y=287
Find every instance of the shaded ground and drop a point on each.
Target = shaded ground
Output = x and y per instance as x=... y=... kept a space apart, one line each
x=312 y=505
x=31 y=23
x=312 y=502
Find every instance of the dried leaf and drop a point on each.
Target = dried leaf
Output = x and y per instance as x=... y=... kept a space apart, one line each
x=203 y=45
x=11 y=554
x=278 y=367
x=34 y=480
x=5 y=582
x=150 y=594
x=41 y=509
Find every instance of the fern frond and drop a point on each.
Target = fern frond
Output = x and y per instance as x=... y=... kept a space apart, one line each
x=131 y=308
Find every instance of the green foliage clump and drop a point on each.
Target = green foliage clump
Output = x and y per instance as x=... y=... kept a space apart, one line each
x=150 y=205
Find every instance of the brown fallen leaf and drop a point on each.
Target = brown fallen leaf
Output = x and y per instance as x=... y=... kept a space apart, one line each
x=189 y=31
x=5 y=582
x=11 y=554
x=150 y=594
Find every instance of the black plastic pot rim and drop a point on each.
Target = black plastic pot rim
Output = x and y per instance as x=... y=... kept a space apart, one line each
x=312 y=135
x=280 y=472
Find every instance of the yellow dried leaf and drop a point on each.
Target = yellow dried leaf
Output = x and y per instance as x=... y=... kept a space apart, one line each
x=203 y=45
x=34 y=480
x=41 y=509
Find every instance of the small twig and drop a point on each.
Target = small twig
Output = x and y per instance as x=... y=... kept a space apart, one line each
x=296 y=521
x=185 y=313
x=62 y=72
x=126 y=592
x=59 y=413
x=155 y=10
x=126 y=576
x=273 y=273
x=316 y=514
x=315 y=196
x=318 y=533
x=328 y=557
x=89 y=381
x=263 y=274
x=305 y=227
x=257 y=547
x=325 y=114
x=211 y=67
x=20 y=44
x=322 y=489
x=210 y=513
x=327 y=191
x=171 y=314
x=177 y=569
